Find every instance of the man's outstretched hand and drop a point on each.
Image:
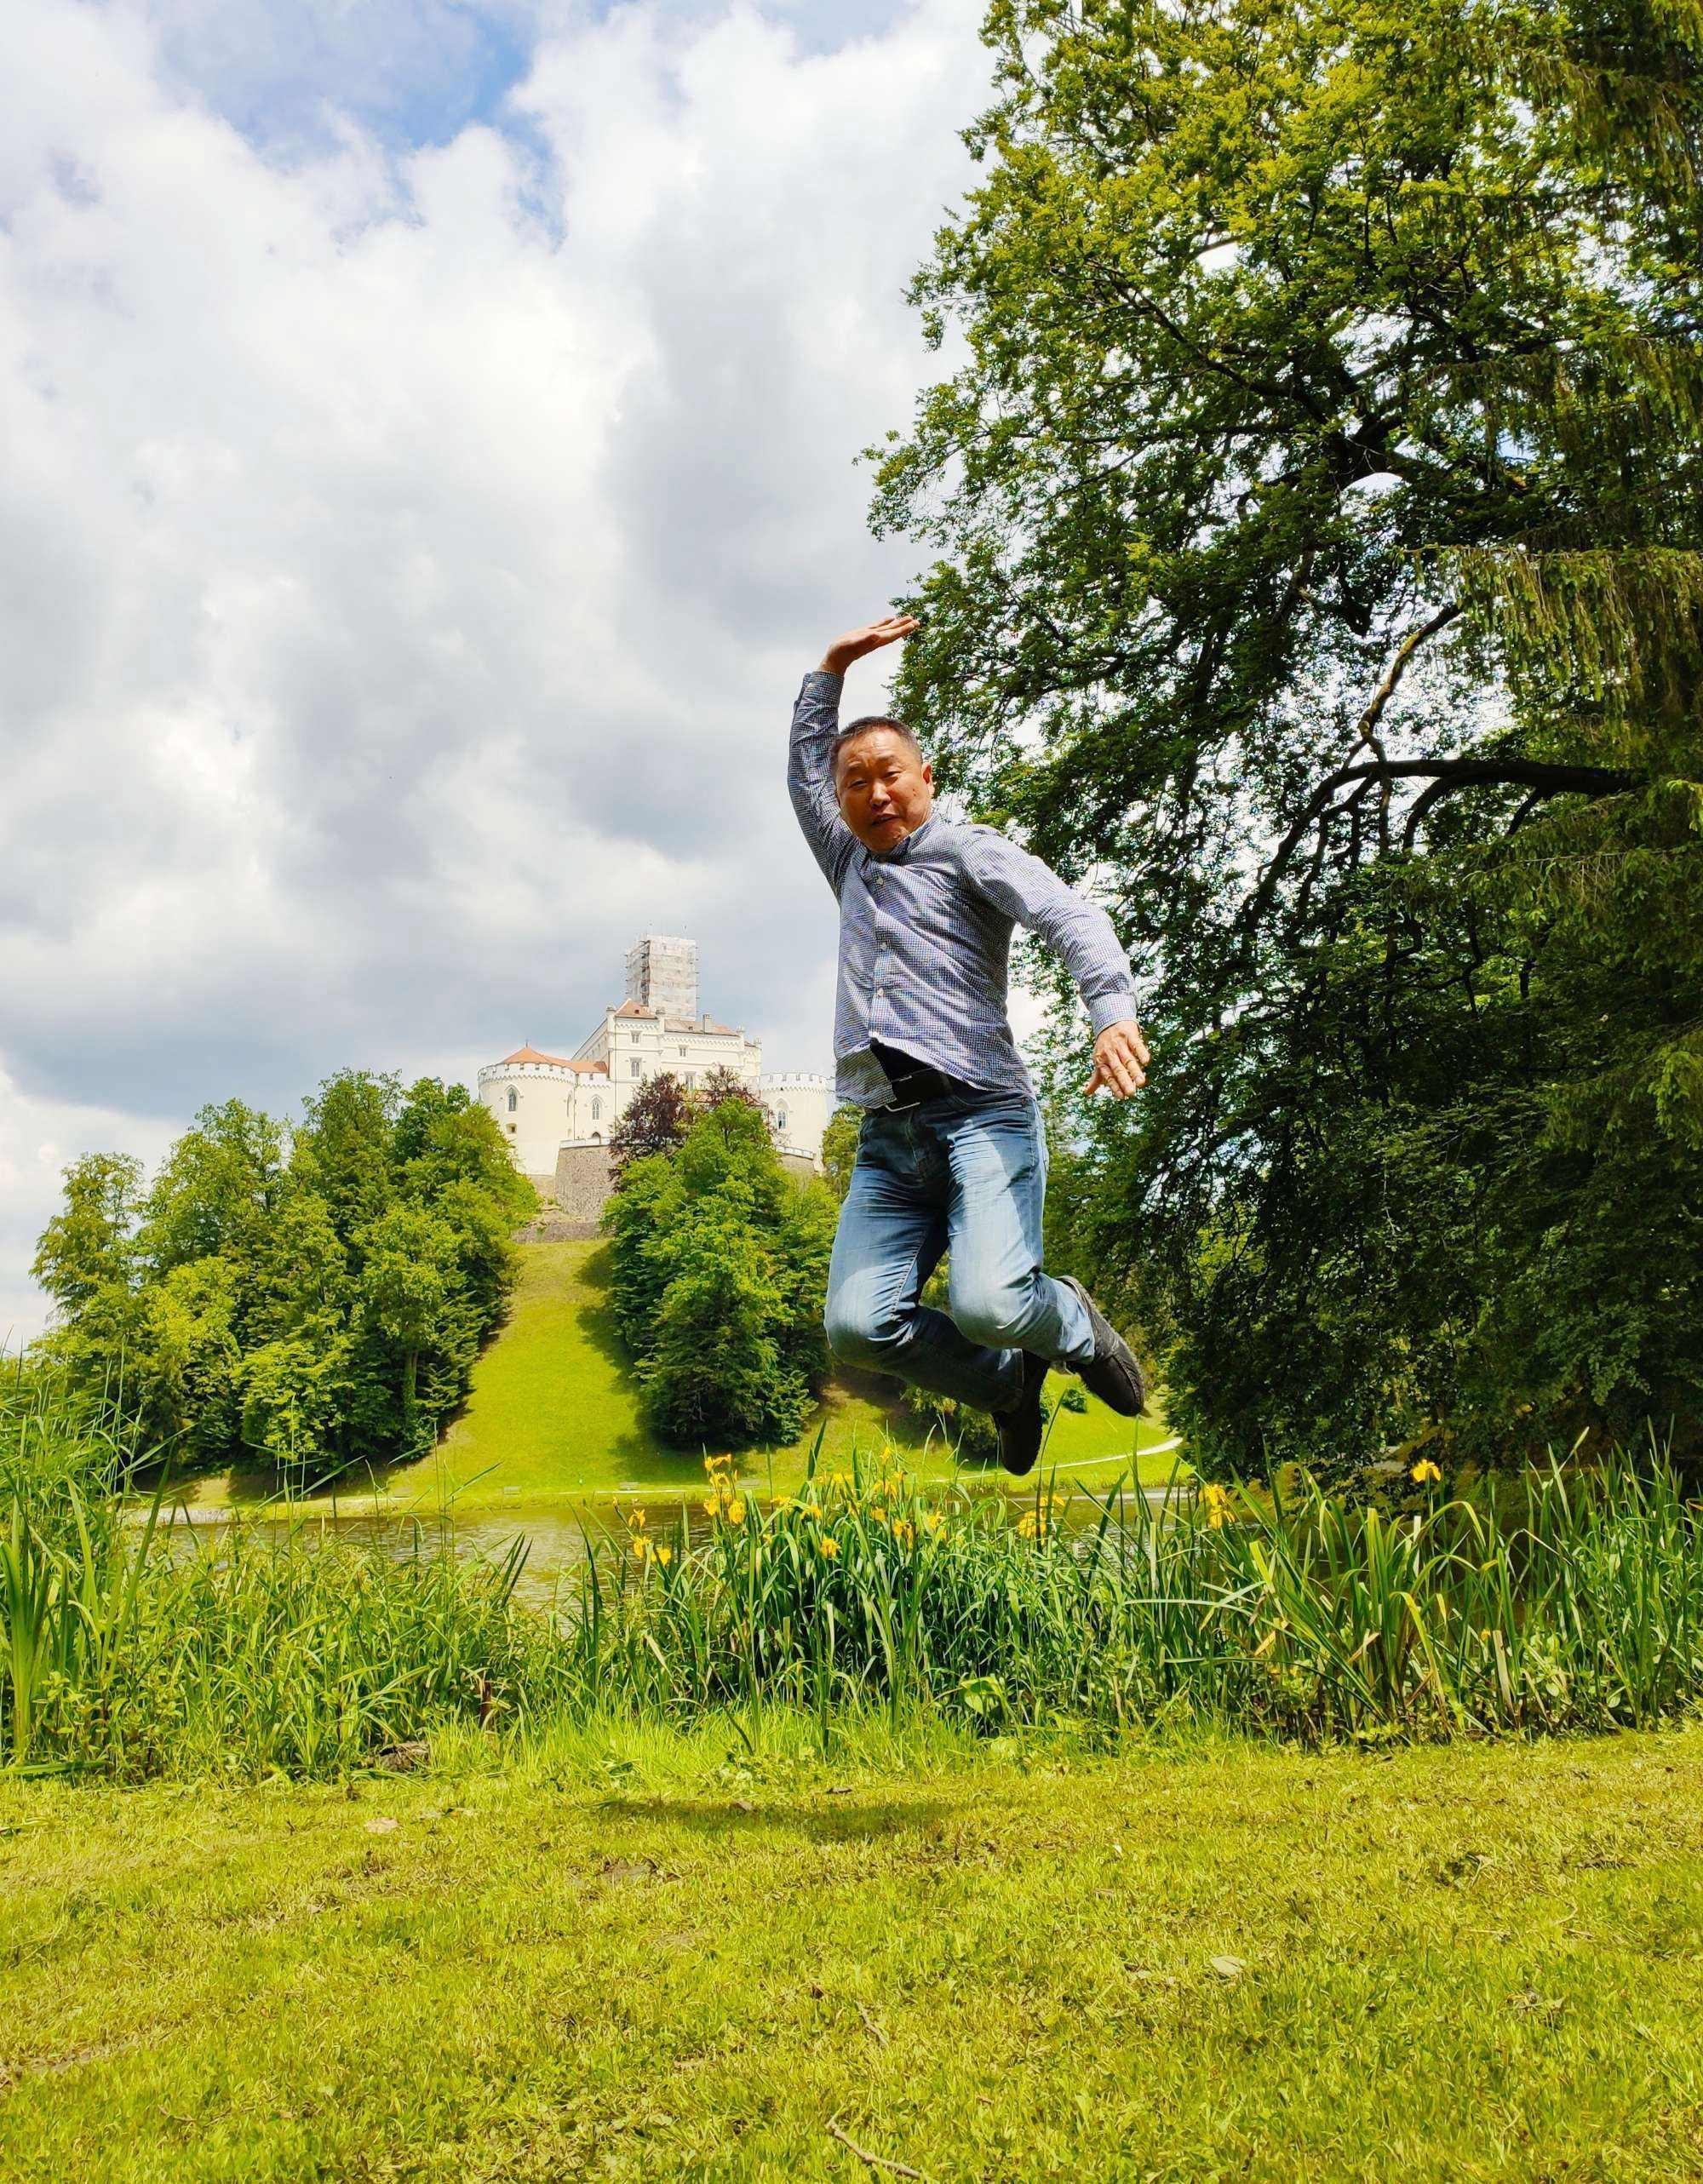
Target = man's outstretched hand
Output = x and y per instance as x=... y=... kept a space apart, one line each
x=856 y=643
x=1120 y=1060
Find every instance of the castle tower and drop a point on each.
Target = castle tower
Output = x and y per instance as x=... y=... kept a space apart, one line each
x=661 y=974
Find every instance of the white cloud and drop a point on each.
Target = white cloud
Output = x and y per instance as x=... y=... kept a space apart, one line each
x=404 y=577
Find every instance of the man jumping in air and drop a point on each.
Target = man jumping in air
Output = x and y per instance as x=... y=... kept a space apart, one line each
x=951 y=1153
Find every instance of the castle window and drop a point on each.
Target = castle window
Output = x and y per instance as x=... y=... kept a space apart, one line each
x=683 y=1053
x=514 y=1102
x=635 y=1068
x=782 y=1118
x=597 y=1110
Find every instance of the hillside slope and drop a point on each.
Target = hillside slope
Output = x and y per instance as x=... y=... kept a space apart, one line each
x=553 y=1410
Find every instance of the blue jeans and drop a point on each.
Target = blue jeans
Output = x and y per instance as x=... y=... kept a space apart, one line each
x=964 y=1175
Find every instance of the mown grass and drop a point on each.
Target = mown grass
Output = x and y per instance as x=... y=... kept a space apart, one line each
x=553 y=1410
x=641 y=1954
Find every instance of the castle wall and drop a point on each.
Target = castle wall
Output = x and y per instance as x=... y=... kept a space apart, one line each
x=584 y=1185
x=582 y=1182
x=798 y=1107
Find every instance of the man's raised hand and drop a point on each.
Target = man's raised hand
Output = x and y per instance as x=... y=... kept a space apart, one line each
x=856 y=643
x=1120 y=1060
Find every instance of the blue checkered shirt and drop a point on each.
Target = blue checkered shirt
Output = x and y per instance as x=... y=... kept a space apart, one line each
x=925 y=928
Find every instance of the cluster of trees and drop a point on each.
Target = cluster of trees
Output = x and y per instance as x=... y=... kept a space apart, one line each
x=659 y=1114
x=720 y=1268
x=313 y=1294
x=1324 y=489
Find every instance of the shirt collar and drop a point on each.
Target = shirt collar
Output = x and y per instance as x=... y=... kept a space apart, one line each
x=897 y=855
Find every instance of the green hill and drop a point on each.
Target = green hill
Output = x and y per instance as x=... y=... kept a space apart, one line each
x=553 y=1411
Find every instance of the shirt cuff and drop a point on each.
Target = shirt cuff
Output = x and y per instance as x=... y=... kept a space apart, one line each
x=1113 y=1008
x=824 y=681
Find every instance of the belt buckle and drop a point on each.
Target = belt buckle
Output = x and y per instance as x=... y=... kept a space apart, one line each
x=904 y=1106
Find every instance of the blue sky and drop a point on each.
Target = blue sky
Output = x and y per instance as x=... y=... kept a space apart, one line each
x=413 y=72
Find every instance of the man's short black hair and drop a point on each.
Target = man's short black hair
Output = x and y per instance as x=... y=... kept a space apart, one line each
x=855 y=728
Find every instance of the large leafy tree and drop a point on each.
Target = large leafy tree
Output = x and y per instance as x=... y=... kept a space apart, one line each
x=840 y=1148
x=1317 y=519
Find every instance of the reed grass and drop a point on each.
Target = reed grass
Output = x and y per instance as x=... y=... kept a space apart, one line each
x=1573 y=1602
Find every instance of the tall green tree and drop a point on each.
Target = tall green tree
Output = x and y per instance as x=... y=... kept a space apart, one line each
x=89 y=1245
x=720 y=1270
x=839 y=1148
x=1317 y=520
x=218 y=1189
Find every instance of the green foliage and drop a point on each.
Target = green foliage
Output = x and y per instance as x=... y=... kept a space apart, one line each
x=58 y=1449
x=720 y=1270
x=839 y=1148
x=86 y=1248
x=1324 y=489
x=314 y=1297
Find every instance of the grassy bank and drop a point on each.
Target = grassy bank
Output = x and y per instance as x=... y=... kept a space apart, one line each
x=554 y=1411
x=643 y=1956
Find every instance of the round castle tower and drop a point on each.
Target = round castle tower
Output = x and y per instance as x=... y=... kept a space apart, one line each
x=798 y=1107
x=542 y=1102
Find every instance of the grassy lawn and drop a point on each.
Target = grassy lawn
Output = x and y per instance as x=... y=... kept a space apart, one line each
x=640 y=1958
x=554 y=1416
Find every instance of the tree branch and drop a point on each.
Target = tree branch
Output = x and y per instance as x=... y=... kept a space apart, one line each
x=1366 y=732
x=1450 y=774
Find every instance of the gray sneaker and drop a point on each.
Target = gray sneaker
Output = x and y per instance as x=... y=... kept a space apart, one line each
x=1112 y=1373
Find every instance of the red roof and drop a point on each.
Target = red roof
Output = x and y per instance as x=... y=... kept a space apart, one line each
x=553 y=1061
x=633 y=1008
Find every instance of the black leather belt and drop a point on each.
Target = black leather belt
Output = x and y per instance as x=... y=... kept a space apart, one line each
x=914 y=1081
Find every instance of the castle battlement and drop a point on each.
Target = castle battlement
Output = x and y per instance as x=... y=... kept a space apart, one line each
x=792 y=1080
x=562 y=1072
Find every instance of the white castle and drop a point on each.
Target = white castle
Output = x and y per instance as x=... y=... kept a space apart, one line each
x=547 y=1104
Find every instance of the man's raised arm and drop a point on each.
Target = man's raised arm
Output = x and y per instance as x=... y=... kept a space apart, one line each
x=816 y=720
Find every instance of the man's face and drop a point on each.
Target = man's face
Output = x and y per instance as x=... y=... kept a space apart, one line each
x=885 y=792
